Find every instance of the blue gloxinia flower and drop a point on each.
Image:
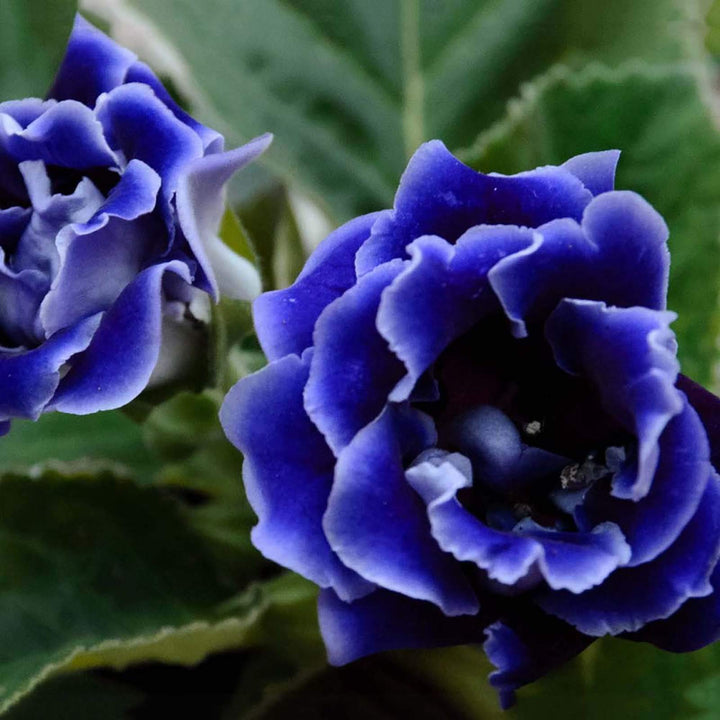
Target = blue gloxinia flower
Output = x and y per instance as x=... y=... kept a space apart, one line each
x=472 y=427
x=110 y=201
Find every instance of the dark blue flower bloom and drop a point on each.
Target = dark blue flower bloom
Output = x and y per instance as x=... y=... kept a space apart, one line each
x=472 y=427
x=110 y=201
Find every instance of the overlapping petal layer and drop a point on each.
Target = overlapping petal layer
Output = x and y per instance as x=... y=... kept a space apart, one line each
x=508 y=451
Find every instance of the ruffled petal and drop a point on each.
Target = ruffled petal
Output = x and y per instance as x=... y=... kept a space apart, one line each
x=353 y=369
x=137 y=123
x=653 y=523
x=200 y=203
x=29 y=379
x=120 y=359
x=284 y=319
x=571 y=561
x=388 y=621
x=115 y=237
x=67 y=134
x=707 y=406
x=26 y=110
x=439 y=195
x=288 y=473
x=633 y=597
x=618 y=255
x=20 y=296
x=51 y=213
x=695 y=625
x=212 y=140
x=13 y=221
x=629 y=355
x=442 y=293
x=527 y=648
x=93 y=64
x=378 y=525
x=595 y=170
x=631 y=237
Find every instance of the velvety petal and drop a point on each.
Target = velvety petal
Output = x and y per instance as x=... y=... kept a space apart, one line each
x=631 y=237
x=695 y=625
x=200 y=204
x=13 y=221
x=288 y=472
x=93 y=64
x=20 y=296
x=212 y=140
x=36 y=250
x=285 y=319
x=439 y=195
x=113 y=238
x=118 y=362
x=500 y=460
x=55 y=210
x=528 y=648
x=572 y=561
x=595 y=170
x=14 y=116
x=352 y=370
x=26 y=110
x=707 y=406
x=652 y=524
x=29 y=379
x=442 y=293
x=142 y=127
x=618 y=255
x=632 y=597
x=629 y=355
x=378 y=525
x=67 y=134
x=388 y=621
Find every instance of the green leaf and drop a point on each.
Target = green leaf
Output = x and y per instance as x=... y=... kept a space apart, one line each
x=712 y=40
x=617 y=678
x=33 y=36
x=101 y=438
x=78 y=697
x=351 y=87
x=424 y=685
x=91 y=562
x=205 y=469
x=271 y=224
x=234 y=236
x=670 y=155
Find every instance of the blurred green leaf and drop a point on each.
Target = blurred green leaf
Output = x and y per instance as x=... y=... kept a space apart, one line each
x=712 y=40
x=181 y=425
x=425 y=685
x=670 y=155
x=102 y=438
x=78 y=697
x=351 y=87
x=617 y=678
x=91 y=562
x=271 y=225
x=33 y=36
x=203 y=468
x=234 y=236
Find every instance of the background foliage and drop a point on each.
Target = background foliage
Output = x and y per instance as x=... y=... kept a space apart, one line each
x=128 y=585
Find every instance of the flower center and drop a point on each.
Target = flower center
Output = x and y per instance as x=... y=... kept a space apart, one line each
x=537 y=438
